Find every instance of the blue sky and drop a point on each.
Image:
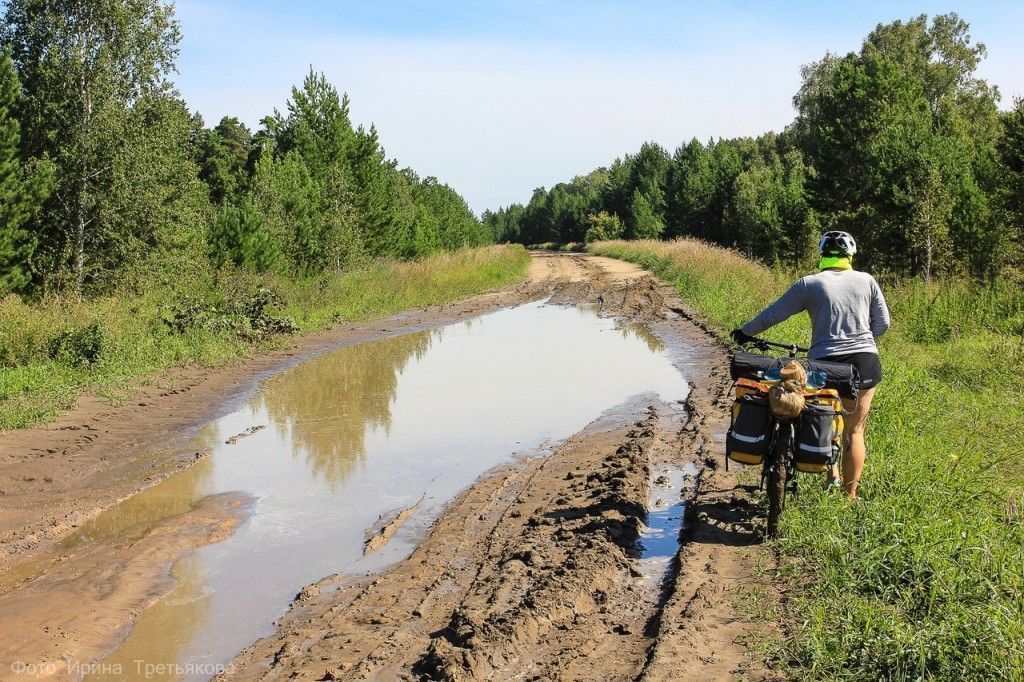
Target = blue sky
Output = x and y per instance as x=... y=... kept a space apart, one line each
x=499 y=97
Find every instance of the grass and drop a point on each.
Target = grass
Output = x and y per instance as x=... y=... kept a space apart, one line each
x=925 y=578
x=52 y=351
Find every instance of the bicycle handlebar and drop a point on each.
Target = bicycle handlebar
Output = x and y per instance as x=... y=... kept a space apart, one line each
x=764 y=344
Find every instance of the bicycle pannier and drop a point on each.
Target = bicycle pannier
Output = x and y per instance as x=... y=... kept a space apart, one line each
x=817 y=442
x=749 y=433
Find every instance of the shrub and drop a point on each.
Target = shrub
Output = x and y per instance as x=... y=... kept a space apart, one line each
x=78 y=347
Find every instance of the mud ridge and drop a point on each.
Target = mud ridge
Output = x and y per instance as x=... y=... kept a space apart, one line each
x=387 y=527
x=534 y=572
x=555 y=576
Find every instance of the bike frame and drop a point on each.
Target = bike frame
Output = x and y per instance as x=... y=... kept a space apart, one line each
x=778 y=470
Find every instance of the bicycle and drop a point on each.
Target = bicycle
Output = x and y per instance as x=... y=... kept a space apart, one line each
x=780 y=462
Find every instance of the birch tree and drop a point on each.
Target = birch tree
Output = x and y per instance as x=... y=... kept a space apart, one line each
x=95 y=74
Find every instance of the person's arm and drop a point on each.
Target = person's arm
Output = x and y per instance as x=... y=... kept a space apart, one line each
x=880 y=320
x=788 y=305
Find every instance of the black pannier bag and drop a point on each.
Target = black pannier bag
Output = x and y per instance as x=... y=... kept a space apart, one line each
x=750 y=431
x=816 y=448
x=840 y=376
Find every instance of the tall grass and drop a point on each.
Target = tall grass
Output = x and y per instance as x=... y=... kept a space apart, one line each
x=53 y=350
x=925 y=578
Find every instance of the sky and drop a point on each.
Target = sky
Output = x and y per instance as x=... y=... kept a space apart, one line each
x=499 y=97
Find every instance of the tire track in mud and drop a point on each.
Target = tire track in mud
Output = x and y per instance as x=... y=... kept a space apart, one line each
x=54 y=478
x=534 y=572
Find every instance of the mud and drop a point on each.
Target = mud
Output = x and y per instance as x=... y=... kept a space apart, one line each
x=54 y=477
x=73 y=613
x=536 y=571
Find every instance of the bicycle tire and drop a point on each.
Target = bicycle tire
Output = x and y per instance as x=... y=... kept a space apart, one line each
x=776 y=477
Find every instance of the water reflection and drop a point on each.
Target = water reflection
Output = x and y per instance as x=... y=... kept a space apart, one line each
x=634 y=330
x=326 y=407
x=373 y=428
x=132 y=517
x=152 y=659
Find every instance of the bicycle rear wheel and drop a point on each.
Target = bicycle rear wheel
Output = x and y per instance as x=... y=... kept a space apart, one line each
x=776 y=476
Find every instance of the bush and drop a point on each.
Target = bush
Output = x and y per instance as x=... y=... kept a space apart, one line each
x=603 y=226
x=78 y=347
x=52 y=350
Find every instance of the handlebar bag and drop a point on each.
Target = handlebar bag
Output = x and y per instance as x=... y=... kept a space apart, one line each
x=751 y=365
x=817 y=446
x=842 y=377
x=750 y=429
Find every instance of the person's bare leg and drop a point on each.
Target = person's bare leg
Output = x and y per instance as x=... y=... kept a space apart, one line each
x=854 y=450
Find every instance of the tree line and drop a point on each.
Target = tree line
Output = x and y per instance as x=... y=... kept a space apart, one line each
x=107 y=180
x=901 y=144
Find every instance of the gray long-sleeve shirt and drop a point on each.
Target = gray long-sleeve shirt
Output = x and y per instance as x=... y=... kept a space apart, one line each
x=847 y=309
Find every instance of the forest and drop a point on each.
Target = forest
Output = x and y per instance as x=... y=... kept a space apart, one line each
x=109 y=183
x=901 y=144
x=135 y=238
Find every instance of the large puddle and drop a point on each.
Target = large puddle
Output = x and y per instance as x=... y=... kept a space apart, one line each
x=363 y=432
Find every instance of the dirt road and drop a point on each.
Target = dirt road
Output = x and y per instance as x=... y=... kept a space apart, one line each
x=530 y=573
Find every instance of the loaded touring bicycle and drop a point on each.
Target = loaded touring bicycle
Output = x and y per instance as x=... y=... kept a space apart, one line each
x=787 y=417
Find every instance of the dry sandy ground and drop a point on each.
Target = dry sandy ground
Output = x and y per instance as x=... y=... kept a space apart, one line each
x=532 y=573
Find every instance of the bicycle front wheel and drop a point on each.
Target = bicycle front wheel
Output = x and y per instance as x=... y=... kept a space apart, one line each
x=777 y=474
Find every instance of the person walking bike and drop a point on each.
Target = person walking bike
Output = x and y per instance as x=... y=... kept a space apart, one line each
x=848 y=314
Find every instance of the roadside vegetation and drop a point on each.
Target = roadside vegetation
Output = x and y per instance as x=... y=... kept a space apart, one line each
x=925 y=578
x=52 y=350
x=134 y=237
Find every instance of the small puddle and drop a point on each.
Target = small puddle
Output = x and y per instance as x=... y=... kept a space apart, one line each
x=362 y=433
x=659 y=539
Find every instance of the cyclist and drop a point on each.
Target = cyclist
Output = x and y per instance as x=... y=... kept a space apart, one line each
x=848 y=313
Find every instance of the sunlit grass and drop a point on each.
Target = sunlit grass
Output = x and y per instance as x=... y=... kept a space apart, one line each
x=925 y=578
x=52 y=351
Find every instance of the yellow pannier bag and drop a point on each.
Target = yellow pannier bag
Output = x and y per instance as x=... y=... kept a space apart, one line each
x=819 y=437
x=749 y=432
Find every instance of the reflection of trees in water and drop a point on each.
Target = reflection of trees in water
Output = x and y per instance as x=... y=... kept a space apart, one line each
x=641 y=332
x=208 y=437
x=330 y=403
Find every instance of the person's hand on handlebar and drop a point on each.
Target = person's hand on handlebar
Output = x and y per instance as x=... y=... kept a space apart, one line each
x=740 y=337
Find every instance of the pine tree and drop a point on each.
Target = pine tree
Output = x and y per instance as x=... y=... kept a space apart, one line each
x=224 y=158
x=22 y=190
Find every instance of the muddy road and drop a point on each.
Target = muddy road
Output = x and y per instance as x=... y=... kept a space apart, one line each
x=575 y=525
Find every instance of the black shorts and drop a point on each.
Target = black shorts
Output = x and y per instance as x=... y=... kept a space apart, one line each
x=869 y=367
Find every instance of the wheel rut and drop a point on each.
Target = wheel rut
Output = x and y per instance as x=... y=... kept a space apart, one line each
x=534 y=571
